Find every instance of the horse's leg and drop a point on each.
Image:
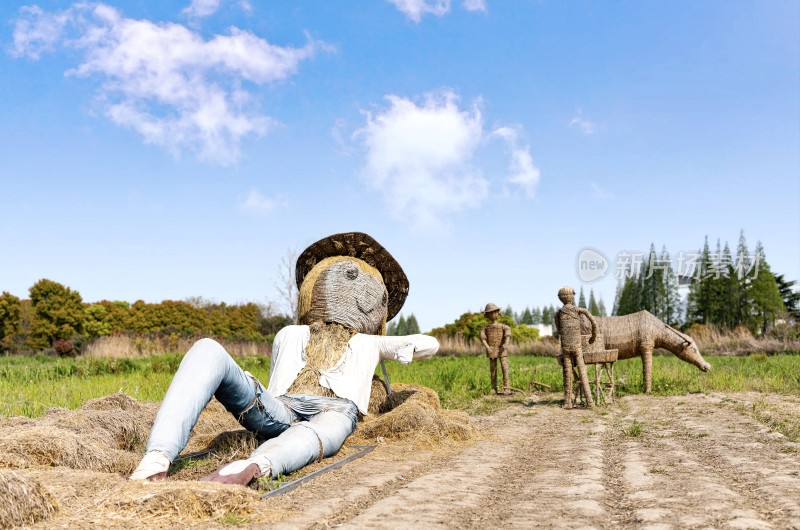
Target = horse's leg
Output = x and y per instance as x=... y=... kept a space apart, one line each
x=647 y=367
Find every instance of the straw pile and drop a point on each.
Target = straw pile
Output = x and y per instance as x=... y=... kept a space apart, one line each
x=106 y=500
x=415 y=416
x=23 y=501
x=106 y=434
x=100 y=436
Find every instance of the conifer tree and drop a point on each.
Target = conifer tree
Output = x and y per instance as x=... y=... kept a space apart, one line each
x=536 y=316
x=601 y=307
x=629 y=297
x=582 y=299
x=593 y=307
x=412 y=327
x=763 y=294
x=401 y=326
x=653 y=285
x=672 y=300
x=740 y=282
x=791 y=298
x=527 y=317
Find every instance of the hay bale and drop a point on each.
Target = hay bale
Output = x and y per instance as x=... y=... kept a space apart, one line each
x=416 y=416
x=23 y=501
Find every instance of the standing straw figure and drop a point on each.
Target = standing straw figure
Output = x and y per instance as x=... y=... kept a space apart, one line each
x=495 y=337
x=568 y=324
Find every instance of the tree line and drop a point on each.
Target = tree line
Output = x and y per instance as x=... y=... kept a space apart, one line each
x=56 y=316
x=532 y=316
x=725 y=290
x=403 y=326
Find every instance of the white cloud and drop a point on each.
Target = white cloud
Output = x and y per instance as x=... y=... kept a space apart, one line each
x=256 y=203
x=522 y=172
x=202 y=8
x=600 y=192
x=586 y=126
x=414 y=9
x=475 y=5
x=37 y=32
x=177 y=90
x=419 y=156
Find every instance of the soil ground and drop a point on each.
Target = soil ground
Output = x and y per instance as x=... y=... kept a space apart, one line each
x=693 y=461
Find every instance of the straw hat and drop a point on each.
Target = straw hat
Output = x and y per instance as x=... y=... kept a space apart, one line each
x=490 y=308
x=364 y=247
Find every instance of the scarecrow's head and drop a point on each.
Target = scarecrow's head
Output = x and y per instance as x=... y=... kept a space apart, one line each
x=352 y=280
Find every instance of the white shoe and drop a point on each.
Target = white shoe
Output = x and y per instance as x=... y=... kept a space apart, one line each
x=153 y=466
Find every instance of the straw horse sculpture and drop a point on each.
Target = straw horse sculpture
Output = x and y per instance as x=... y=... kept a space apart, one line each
x=637 y=334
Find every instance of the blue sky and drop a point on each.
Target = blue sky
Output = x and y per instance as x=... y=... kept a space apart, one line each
x=165 y=150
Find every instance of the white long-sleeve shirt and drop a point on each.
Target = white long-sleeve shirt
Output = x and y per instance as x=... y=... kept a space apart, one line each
x=351 y=376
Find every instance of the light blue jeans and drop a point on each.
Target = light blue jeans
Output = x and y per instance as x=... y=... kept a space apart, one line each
x=300 y=428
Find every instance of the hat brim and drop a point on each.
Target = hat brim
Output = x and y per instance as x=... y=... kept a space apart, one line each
x=361 y=246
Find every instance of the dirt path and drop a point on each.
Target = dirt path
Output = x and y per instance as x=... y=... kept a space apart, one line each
x=693 y=461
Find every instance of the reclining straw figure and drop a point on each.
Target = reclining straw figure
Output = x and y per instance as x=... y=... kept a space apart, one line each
x=320 y=374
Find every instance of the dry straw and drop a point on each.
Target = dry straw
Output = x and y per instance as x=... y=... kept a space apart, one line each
x=23 y=501
x=417 y=418
x=637 y=334
x=102 y=442
x=106 y=434
x=326 y=345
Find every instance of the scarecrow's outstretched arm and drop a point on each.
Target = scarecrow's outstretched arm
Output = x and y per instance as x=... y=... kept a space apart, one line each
x=407 y=348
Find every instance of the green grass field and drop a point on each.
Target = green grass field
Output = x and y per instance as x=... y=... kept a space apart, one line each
x=31 y=385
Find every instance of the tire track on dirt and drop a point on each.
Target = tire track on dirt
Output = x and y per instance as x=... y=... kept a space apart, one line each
x=691 y=469
x=543 y=467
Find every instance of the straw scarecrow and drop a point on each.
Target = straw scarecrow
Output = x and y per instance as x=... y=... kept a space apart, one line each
x=568 y=323
x=495 y=337
x=320 y=374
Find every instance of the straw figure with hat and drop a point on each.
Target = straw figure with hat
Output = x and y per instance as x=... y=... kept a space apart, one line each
x=568 y=324
x=495 y=338
x=320 y=374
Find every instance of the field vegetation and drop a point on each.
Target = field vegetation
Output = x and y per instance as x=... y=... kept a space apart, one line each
x=29 y=386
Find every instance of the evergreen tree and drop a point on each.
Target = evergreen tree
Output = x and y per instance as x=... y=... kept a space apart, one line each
x=400 y=329
x=547 y=316
x=527 y=317
x=653 y=296
x=791 y=298
x=601 y=308
x=763 y=294
x=552 y=319
x=617 y=296
x=700 y=290
x=740 y=282
x=629 y=297
x=508 y=312
x=582 y=299
x=391 y=328
x=536 y=316
x=412 y=327
x=594 y=309
x=672 y=300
